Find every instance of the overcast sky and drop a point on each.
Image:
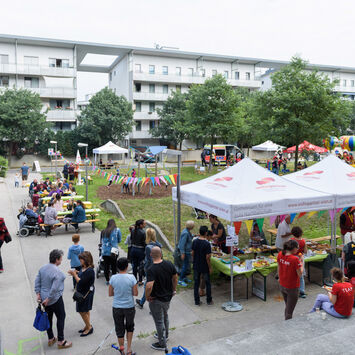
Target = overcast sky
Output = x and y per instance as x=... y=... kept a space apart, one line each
x=321 y=31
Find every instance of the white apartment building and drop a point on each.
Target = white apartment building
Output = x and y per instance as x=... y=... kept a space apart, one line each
x=145 y=76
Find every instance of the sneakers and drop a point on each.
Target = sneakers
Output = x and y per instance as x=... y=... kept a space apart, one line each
x=138 y=302
x=182 y=283
x=157 y=346
x=156 y=336
x=302 y=295
x=210 y=303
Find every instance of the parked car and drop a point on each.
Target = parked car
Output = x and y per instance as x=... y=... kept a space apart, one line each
x=146 y=157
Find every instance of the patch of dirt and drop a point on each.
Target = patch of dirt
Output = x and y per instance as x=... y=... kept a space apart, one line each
x=114 y=192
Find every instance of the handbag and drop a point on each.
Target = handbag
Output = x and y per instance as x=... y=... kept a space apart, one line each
x=41 y=321
x=114 y=252
x=78 y=296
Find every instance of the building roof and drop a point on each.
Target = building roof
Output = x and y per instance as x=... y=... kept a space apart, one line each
x=84 y=48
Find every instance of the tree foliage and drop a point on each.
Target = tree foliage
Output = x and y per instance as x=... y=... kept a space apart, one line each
x=173 y=123
x=300 y=106
x=212 y=111
x=21 y=121
x=108 y=117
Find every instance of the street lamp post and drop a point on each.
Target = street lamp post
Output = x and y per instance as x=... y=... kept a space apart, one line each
x=56 y=165
x=86 y=169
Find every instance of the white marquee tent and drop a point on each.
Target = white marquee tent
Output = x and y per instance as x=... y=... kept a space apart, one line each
x=330 y=175
x=247 y=191
x=267 y=146
x=109 y=148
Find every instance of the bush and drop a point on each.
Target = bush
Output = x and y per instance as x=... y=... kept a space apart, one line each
x=3 y=166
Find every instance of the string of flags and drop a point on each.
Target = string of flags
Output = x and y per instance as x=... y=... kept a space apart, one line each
x=132 y=181
x=260 y=221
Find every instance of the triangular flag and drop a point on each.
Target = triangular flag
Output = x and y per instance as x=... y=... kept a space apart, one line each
x=321 y=212
x=163 y=180
x=292 y=217
x=128 y=180
x=344 y=209
x=131 y=181
x=172 y=179
x=175 y=177
x=139 y=181
x=332 y=214
x=282 y=217
x=146 y=181
x=152 y=179
x=249 y=224
x=260 y=222
x=143 y=181
x=168 y=179
x=338 y=210
x=237 y=226
x=310 y=214
x=272 y=220
x=157 y=180
x=301 y=214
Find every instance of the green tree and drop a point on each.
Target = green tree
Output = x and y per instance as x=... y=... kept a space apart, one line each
x=301 y=105
x=212 y=111
x=173 y=124
x=108 y=117
x=22 y=122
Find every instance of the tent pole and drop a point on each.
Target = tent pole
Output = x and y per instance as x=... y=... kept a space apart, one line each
x=174 y=224
x=178 y=183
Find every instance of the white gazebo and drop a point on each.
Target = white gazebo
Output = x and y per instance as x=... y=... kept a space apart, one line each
x=109 y=148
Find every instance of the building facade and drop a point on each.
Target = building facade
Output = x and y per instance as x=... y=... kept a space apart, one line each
x=145 y=76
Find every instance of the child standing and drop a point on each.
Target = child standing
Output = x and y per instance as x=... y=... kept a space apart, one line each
x=17 y=180
x=73 y=254
x=302 y=249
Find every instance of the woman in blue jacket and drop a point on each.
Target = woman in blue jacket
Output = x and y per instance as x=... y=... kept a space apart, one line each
x=110 y=237
x=78 y=215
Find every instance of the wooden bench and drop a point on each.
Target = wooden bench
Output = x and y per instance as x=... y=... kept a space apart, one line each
x=189 y=162
x=47 y=227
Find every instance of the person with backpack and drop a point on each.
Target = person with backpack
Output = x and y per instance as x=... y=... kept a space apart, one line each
x=110 y=238
x=138 y=243
x=151 y=240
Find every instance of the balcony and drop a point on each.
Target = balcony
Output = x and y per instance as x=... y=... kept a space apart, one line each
x=24 y=69
x=56 y=93
x=170 y=78
x=146 y=116
x=140 y=135
x=62 y=115
x=149 y=96
x=255 y=84
x=345 y=89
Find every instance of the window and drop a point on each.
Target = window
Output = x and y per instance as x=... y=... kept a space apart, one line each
x=58 y=63
x=203 y=72
x=138 y=126
x=138 y=87
x=138 y=107
x=165 y=70
x=236 y=75
x=111 y=76
x=190 y=71
x=31 y=82
x=344 y=82
x=4 y=81
x=152 y=88
x=151 y=106
x=165 y=89
x=178 y=71
x=178 y=88
x=226 y=74
x=63 y=126
x=29 y=60
x=59 y=104
x=151 y=124
x=352 y=83
x=114 y=73
x=214 y=72
x=247 y=76
x=137 y=68
x=151 y=69
x=4 y=59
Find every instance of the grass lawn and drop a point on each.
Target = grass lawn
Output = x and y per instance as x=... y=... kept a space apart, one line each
x=160 y=212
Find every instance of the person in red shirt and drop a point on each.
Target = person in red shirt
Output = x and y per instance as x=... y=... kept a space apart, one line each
x=302 y=249
x=339 y=302
x=290 y=269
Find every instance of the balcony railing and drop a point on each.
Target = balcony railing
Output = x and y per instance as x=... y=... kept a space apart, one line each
x=59 y=93
x=25 y=69
x=152 y=116
x=140 y=134
x=62 y=115
x=150 y=96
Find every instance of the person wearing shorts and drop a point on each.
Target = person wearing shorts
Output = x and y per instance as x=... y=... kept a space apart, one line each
x=122 y=288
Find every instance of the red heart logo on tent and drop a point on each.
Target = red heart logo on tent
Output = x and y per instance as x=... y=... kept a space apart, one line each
x=351 y=174
x=265 y=181
x=314 y=172
x=226 y=178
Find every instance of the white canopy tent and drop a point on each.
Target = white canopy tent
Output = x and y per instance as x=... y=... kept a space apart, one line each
x=247 y=191
x=267 y=146
x=330 y=175
x=109 y=148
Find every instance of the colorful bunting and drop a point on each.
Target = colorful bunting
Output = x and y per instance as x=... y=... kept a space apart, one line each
x=320 y=213
x=332 y=214
x=172 y=179
x=272 y=220
x=146 y=181
x=260 y=222
x=339 y=209
x=168 y=179
x=249 y=224
x=310 y=214
x=157 y=180
x=237 y=226
x=152 y=180
x=163 y=180
x=282 y=217
x=301 y=215
x=292 y=217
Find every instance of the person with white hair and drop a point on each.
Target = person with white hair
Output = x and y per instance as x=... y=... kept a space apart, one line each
x=185 y=245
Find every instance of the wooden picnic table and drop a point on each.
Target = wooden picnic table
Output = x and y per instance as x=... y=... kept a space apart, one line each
x=89 y=212
x=64 y=198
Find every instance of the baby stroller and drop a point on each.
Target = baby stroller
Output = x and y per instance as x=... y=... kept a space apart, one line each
x=100 y=263
x=27 y=225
